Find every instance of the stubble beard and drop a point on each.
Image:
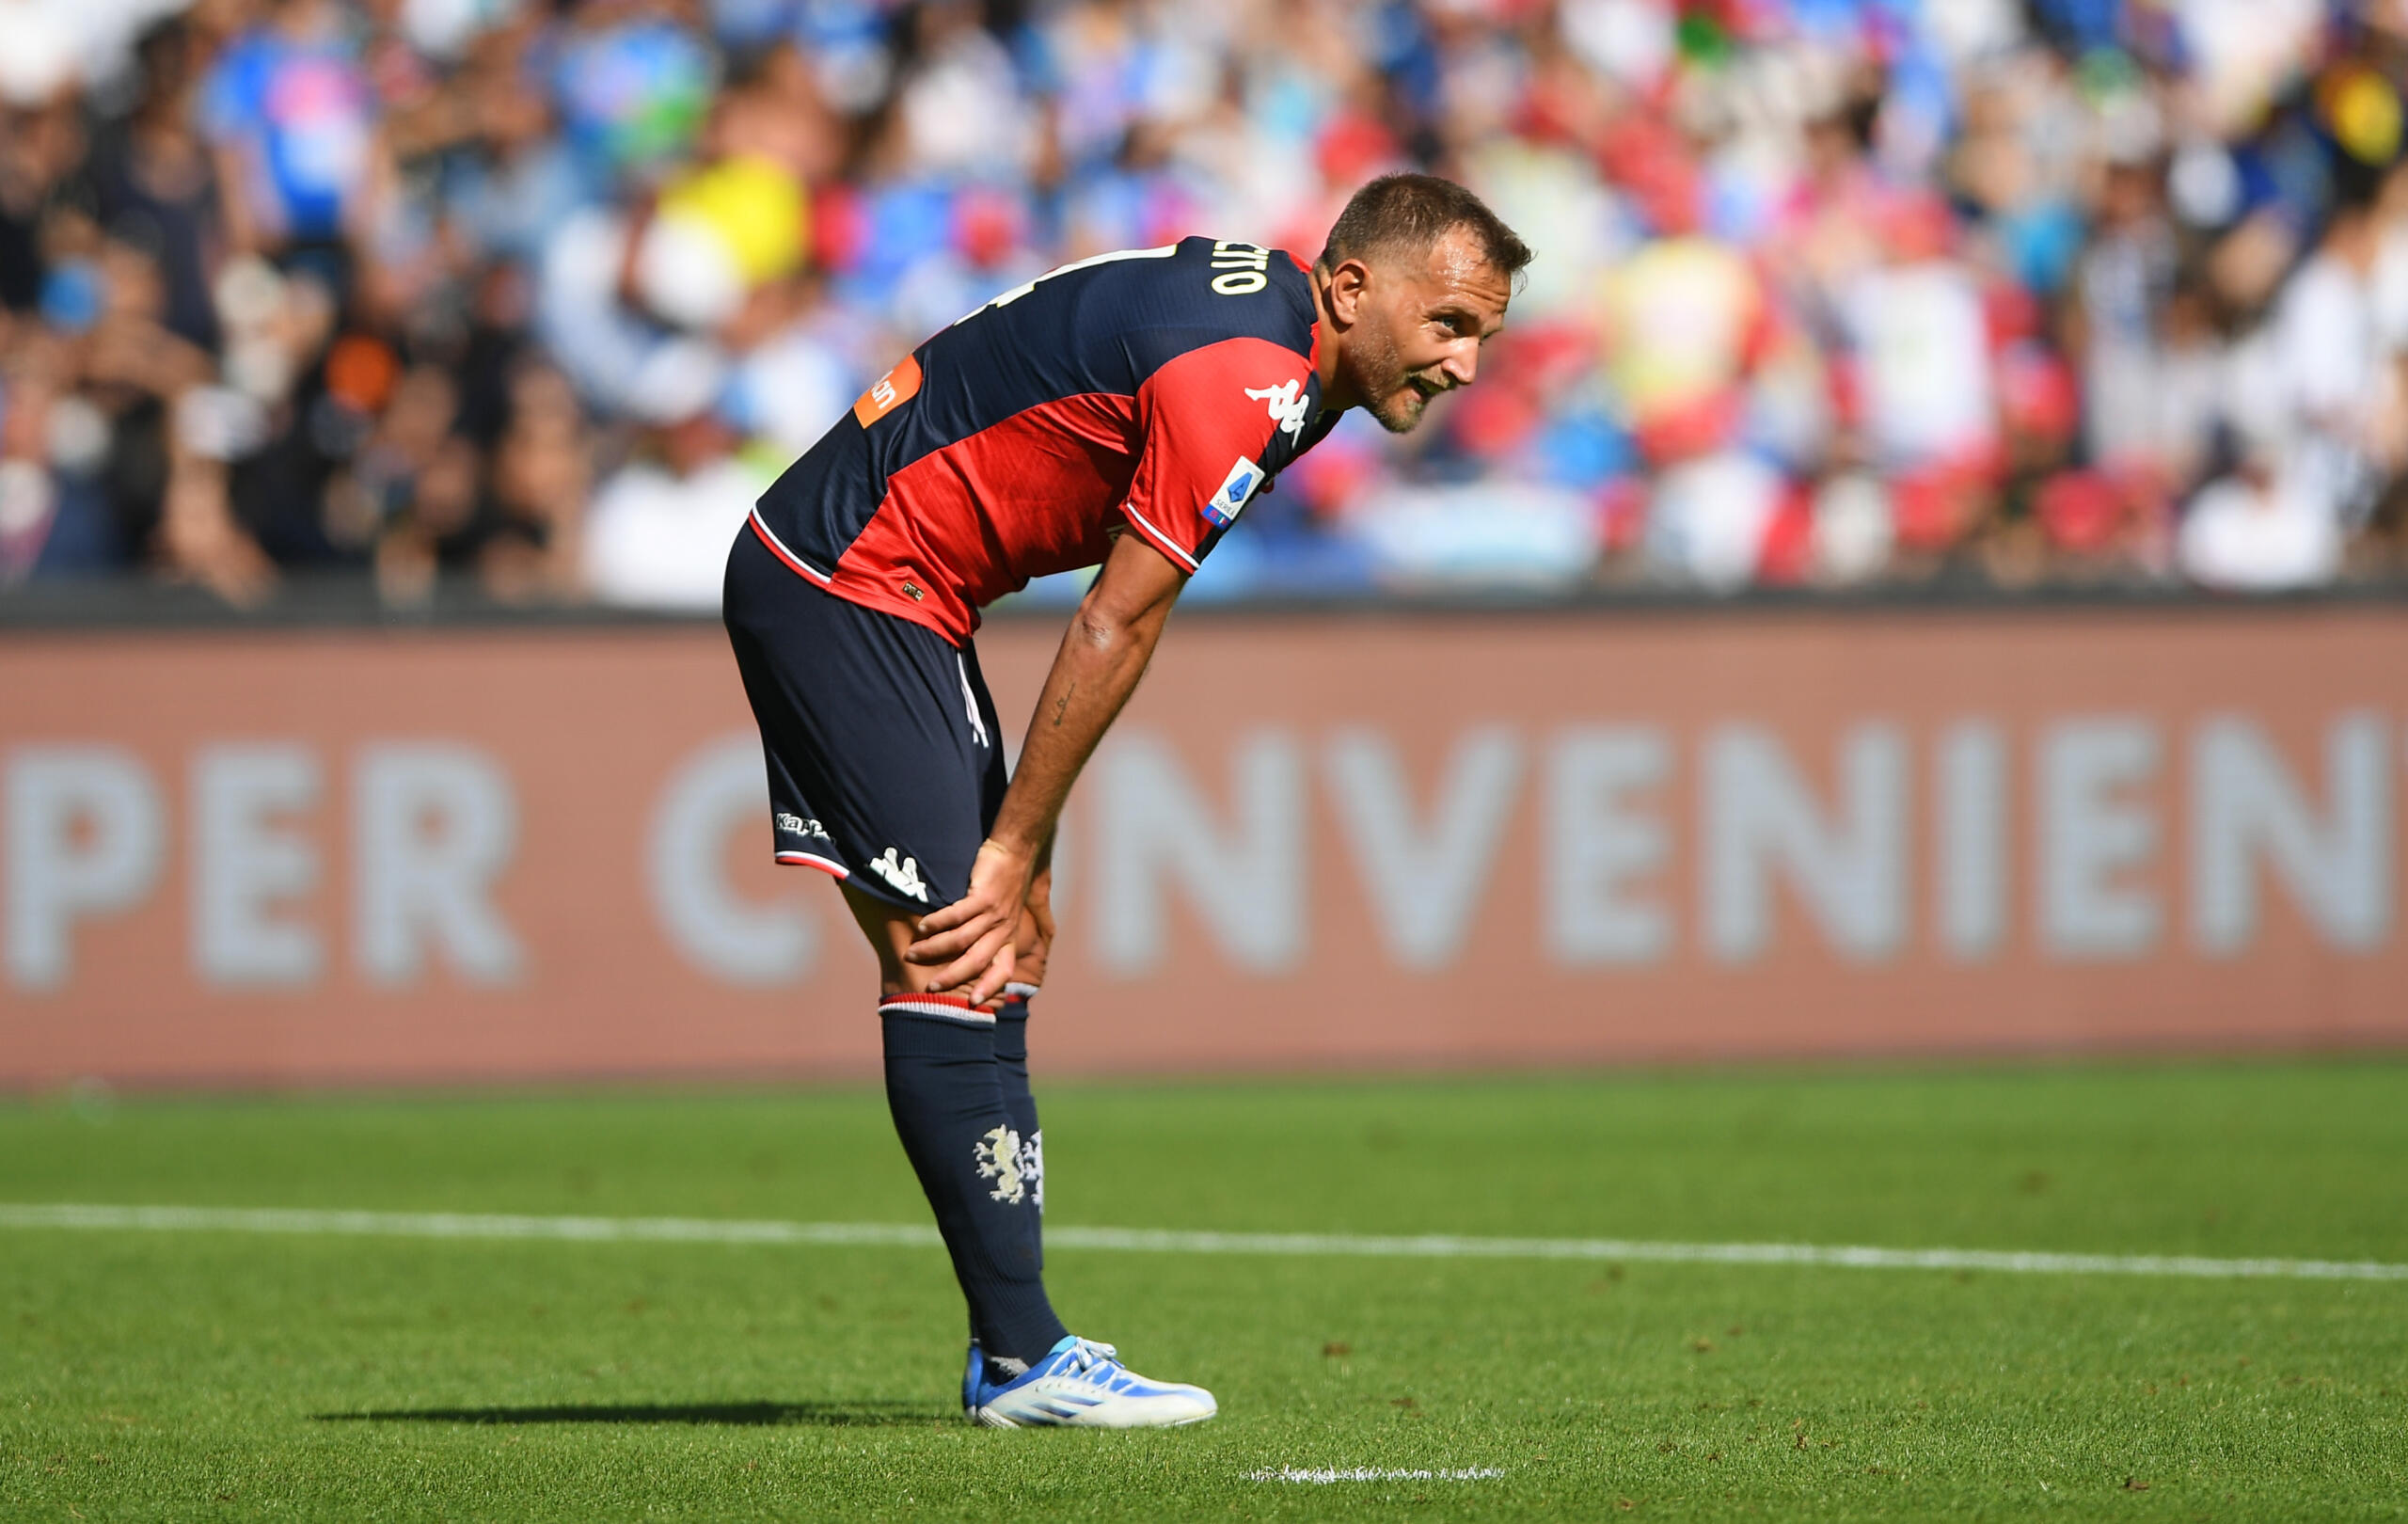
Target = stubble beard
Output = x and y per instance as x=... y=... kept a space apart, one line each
x=1380 y=377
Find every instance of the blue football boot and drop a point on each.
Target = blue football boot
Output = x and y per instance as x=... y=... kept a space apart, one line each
x=1080 y=1384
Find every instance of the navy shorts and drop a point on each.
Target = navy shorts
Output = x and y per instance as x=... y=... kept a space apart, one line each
x=886 y=766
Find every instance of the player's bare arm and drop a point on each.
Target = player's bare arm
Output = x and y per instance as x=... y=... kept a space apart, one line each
x=1104 y=653
x=1033 y=943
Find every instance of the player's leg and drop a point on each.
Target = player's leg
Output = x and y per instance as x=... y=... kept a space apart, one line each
x=883 y=771
x=1032 y=946
x=978 y=1165
x=1011 y=1065
x=889 y=936
x=878 y=769
x=1021 y=1329
x=946 y=1092
x=1080 y=1382
x=1011 y=1072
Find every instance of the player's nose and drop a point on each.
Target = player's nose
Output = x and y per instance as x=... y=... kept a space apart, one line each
x=1462 y=366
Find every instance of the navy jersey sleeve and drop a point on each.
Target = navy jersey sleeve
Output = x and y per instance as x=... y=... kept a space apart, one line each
x=1217 y=420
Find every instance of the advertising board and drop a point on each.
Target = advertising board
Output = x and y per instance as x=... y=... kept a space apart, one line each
x=236 y=857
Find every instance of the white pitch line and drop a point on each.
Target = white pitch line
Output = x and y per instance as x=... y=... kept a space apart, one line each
x=1169 y=1240
x=1325 y=1475
x=461 y=1224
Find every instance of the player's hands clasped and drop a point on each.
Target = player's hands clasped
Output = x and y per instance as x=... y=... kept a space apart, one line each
x=972 y=937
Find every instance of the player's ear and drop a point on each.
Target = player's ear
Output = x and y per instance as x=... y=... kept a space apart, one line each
x=1347 y=285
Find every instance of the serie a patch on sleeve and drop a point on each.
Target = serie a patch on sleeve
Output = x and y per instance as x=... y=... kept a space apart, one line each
x=1223 y=506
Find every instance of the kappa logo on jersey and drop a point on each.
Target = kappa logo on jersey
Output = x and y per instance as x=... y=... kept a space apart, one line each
x=889 y=391
x=904 y=876
x=998 y=1157
x=1288 y=404
x=1223 y=506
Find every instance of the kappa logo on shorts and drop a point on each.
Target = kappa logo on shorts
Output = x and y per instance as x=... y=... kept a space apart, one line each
x=795 y=825
x=1223 y=506
x=904 y=875
x=998 y=1156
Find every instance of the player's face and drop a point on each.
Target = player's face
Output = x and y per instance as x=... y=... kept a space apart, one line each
x=1421 y=327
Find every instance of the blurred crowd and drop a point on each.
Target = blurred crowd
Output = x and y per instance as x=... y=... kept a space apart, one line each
x=536 y=295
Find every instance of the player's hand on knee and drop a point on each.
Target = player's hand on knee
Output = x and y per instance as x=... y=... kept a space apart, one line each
x=972 y=938
x=982 y=931
x=1034 y=939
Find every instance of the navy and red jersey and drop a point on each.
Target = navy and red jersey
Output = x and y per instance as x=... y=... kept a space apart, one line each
x=1153 y=390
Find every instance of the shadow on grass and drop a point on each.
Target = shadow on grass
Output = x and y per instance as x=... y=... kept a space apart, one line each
x=874 y=1414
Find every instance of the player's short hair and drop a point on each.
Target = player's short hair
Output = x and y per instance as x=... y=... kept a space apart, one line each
x=1409 y=214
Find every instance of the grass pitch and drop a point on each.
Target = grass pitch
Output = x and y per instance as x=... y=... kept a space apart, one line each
x=217 y=1376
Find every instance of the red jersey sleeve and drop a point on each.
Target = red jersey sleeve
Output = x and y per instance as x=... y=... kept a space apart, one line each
x=1217 y=420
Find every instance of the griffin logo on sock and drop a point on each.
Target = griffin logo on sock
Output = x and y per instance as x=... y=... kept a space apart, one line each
x=1032 y=1164
x=998 y=1156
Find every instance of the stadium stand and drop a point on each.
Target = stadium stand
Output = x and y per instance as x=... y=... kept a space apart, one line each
x=1830 y=294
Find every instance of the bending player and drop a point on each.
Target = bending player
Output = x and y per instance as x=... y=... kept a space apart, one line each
x=1121 y=410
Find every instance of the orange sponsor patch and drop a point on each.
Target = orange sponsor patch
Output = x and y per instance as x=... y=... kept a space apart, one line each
x=889 y=391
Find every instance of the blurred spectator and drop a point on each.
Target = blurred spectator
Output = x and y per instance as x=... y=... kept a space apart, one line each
x=661 y=524
x=1829 y=291
x=2260 y=530
x=152 y=182
x=631 y=83
x=291 y=116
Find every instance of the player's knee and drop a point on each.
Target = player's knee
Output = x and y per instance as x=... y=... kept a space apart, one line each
x=898 y=977
x=890 y=930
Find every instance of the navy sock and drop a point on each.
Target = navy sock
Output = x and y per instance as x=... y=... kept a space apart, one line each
x=1011 y=1063
x=946 y=1092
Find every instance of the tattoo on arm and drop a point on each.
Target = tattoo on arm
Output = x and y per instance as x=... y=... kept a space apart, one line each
x=1062 y=702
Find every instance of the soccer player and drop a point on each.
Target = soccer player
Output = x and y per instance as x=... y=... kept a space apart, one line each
x=1121 y=410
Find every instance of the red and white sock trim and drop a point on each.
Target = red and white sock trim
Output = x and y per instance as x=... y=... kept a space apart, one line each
x=942 y=1007
x=1016 y=990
